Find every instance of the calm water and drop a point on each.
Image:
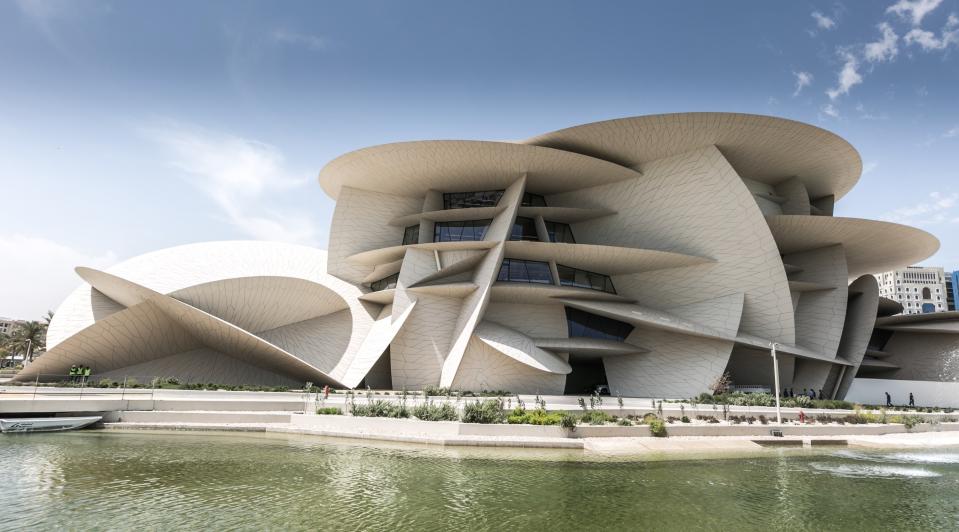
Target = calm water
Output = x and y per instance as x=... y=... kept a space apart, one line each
x=135 y=481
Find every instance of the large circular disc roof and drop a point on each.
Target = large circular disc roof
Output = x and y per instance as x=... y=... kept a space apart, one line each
x=762 y=148
x=412 y=168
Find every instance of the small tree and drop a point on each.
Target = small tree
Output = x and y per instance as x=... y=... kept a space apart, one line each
x=721 y=384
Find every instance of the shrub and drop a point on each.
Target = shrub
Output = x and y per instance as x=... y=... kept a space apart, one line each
x=623 y=422
x=329 y=411
x=539 y=416
x=380 y=408
x=435 y=391
x=488 y=411
x=911 y=421
x=763 y=420
x=431 y=412
x=568 y=421
x=684 y=419
x=596 y=417
x=105 y=383
x=657 y=427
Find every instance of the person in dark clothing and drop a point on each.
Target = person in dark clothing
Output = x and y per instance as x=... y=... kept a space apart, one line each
x=812 y=393
x=888 y=399
x=912 y=400
x=820 y=394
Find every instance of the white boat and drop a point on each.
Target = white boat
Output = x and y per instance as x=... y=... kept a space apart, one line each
x=46 y=424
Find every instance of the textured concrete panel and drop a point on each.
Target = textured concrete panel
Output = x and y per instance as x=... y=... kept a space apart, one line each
x=200 y=366
x=520 y=348
x=676 y=366
x=682 y=204
x=861 y=313
x=484 y=368
x=820 y=313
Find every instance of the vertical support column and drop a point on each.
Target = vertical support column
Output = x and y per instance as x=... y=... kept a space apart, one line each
x=541 y=232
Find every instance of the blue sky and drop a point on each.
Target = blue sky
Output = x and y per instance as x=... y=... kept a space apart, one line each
x=131 y=126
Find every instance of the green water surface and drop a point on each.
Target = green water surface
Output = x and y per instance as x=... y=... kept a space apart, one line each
x=106 y=480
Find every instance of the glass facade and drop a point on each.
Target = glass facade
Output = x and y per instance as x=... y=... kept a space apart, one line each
x=584 y=279
x=533 y=200
x=582 y=324
x=560 y=232
x=411 y=235
x=465 y=200
x=386 y=282
x=525 y=271
x=468 y=230
x=524 y=229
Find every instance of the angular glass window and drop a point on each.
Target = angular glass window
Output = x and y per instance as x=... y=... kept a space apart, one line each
x=465 y=200
x=533 y=200
x=584 y=279
x=524 y=271
x=524 y=229
x=582 y=324
x=469 y=230
x=560 y=232
x=411 y=235
x=385 y=283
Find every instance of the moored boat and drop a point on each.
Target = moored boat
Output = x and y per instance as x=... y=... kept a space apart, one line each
x=46 y=424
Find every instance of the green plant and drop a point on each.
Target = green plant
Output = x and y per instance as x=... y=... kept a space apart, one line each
x=596 y=417
x=624 y=422
x=488 y=411
x=380 y=408
x=535 y=417
x=684 y=419
x=567 y=421
x=105 y=383
x=582 y=403
x=657 y=428
x=431 y=412
x=329 y=411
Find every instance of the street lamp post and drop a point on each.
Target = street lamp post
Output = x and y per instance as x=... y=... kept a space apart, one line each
x=772 y=350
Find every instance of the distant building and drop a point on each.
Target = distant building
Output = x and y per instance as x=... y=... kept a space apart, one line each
x=919 y=289
x=8 y=325
x=952 y=290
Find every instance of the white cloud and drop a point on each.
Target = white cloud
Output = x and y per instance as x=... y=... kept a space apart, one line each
x=848 y=77
x=928 y=41
x=822 y=21
x=803 y=79
x=830 y=110
x=38 y=274
x=238 y=174
x=936 y=209
x=869 y=167
x=913 y=10
x=312 y=42
x=952 y=133
x=885 y=49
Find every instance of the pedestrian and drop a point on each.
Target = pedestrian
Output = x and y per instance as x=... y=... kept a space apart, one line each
x=888 y=399
x=326 y=391
x=73 y=373
x=802 y=416
x=912 y=400
x=812 y=394
x=804 y=392
x=86 y=372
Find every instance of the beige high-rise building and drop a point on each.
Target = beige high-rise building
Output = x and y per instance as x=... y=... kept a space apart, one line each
x=651 y=254
x=919 y=289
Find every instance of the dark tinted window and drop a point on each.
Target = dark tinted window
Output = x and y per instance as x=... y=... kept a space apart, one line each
x=463 y=200
x=383 y=284
x=584 y=279
x=533 y=200
x=460 y=231
x=582 y=324
x=411 y=235
x=560 y=232
x=524 y=229
x=525 y=271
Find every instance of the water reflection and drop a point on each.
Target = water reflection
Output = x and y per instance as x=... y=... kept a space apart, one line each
x=126 y=481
